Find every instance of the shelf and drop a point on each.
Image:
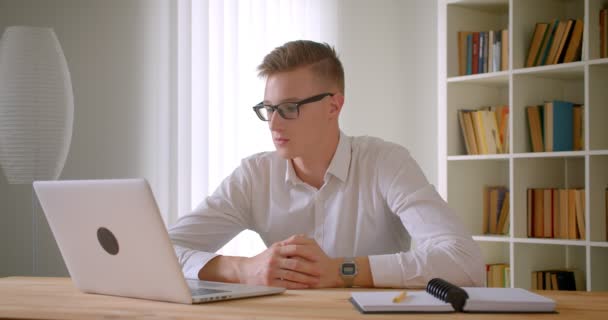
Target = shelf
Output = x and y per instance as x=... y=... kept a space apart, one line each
x=528 y=155
x=600 y=244
x=562 y=71
x=490 y=6
x=463 y=177
x=603 y=61
x=598 y=152
x=561 y=154
x=491 y=79
x=563 y=242
x=492 y=238
x=502 y=156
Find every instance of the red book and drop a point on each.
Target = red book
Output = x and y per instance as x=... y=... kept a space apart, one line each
x=475 y=52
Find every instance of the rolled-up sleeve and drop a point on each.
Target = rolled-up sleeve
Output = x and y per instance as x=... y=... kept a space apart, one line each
x=443 y=247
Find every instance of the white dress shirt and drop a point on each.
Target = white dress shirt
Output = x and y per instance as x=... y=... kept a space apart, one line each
x=374 y=200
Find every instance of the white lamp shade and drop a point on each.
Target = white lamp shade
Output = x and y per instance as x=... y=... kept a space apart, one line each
x=36 y=105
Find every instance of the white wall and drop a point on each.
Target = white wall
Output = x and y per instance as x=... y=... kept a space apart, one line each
x=118 y=54
x=388 y=48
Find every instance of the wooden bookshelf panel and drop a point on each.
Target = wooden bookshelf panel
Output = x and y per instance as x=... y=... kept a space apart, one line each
x=563 y=173
x=472 y=16
x=598 y=107
x=594 y=22
x=536 y=88
x=535 y=257
x=599 y=269
x=465 y=188
x=598 y=183
x=463 y=95
x=527 y=13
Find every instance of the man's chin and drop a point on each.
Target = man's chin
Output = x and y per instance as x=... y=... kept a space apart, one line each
x=285 y=154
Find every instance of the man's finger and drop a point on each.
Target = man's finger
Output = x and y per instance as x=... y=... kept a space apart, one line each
x=293 y=276
x=296 y=250
x=299 y=265
x=289 y=284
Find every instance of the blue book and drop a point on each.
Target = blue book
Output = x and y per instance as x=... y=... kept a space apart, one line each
x=481 y=55
x=563 y=131
x=470 y=54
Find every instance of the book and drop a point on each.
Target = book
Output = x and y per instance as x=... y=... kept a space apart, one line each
x=555 y=279
x=572 y=231
x=497 y=50
x=555 y=213
x=558 y=126
x=462 y=51
x=475 y=53
x=604 y=33
x=503 y=217
x=546 y=44
x=573 y=52
x=577 y=127
x=534 y=115
x=537 y=38
x=547 y=213
x=469 y=67
x=563 y=120
x=602 y=36
x=580 y=212
x=463 y=129
x=481 y=60
x=530 y=212
x=442 y=296
x=504 y=55
x=491 y=51
x=538 y=213
x=561 y=52
x=480 y=132
x=563 y=213
x=557 y=40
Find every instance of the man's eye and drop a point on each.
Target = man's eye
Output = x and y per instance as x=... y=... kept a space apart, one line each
x=289 y=107
x=269 y=109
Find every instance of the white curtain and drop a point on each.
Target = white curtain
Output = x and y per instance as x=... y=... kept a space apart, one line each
x=228 y=39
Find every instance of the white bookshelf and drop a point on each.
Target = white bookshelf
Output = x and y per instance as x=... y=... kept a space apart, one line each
x=462 y=176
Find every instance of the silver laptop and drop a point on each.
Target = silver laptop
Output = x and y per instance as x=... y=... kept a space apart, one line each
x=113 y=241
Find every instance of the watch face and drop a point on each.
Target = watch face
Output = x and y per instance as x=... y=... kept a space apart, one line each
x=349 y=269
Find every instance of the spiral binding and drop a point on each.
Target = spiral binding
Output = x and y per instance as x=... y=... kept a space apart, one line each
x=447 y=292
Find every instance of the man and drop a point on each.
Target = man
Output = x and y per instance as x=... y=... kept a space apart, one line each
x=334 y=210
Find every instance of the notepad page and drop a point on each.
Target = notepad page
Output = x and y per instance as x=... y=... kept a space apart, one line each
x=506 y=300
x=416 y=301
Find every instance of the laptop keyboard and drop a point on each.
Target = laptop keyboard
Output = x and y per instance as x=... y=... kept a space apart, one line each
x=204 y=291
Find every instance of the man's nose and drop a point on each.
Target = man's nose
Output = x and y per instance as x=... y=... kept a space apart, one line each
x=275 y=120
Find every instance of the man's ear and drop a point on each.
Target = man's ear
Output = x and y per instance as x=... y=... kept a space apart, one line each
x=336 y=103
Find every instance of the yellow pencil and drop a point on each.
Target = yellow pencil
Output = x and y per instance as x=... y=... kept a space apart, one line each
x=400 y=297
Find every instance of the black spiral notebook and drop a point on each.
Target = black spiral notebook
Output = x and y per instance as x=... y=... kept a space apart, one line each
x=442 y=296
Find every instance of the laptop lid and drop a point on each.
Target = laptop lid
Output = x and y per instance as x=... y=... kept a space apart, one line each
x=114 y=241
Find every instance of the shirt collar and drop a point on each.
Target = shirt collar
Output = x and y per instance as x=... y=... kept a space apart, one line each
x=338 y=167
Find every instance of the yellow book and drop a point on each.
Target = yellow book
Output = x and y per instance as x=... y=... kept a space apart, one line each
x=482 y=146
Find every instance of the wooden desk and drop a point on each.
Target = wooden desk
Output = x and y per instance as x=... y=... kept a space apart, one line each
x=56 y=298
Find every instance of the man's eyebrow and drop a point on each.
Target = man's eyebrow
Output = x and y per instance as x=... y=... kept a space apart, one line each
x=290 y=99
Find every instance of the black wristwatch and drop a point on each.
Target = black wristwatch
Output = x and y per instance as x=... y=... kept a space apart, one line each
x=348 y=271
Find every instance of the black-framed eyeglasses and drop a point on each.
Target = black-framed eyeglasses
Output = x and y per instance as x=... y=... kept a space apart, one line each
x=287 y=110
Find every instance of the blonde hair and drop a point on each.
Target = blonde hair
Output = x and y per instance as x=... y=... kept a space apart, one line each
x=320 y=57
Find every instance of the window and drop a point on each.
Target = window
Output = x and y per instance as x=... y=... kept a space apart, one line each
x=224 y=43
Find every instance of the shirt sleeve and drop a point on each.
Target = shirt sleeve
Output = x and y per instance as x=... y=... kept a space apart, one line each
x=443 y=247
x=219 y=218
